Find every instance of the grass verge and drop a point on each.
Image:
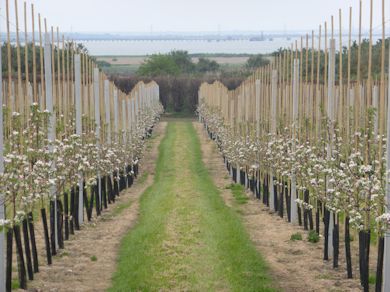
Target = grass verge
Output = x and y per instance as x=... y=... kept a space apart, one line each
x=186 y=237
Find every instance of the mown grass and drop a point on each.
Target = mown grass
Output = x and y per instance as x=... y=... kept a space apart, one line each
x=187 y=238
x=238 y=192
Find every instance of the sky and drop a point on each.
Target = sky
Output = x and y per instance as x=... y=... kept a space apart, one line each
x=196 y=15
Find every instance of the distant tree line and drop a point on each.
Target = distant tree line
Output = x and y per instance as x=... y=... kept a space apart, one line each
x=179 y=77
x=176 y=63
x=376 y=60
x=80 y=48
x=177 y=93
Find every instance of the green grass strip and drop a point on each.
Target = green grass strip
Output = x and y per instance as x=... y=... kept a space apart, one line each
x=186 y=237
x=238 y=192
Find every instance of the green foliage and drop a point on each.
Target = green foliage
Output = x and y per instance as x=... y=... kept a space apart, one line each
x=93 y=258
x=372 y=279
x=159 y=65
x=296 y=236
x=174 y=64
x=313 y=237
x=256 y=61
x=183 y=61
x=15 y=284
x=205 y=65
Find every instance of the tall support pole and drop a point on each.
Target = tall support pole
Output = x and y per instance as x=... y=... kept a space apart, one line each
x=132 y=113
x=129 y=125
x=293 y=204
x=116 y=113
x=79 y=126
x=129 y=118
x=116 y=122
x=274 y=90
x=124 y=125
x=107 y=110
x=52 y=122
x=257 y=95
x=2 y=198
x=331 y=117
x=108 y=116
x=96 y=90
x=136 y=108
x=375 y=105
x=124 y=128
x=386 y=260
x=257 y=115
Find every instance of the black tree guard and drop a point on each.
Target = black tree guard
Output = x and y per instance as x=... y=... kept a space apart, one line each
x=336 y=244
x=52 y=229
x=379 y=268
x=347 y=239
x=76 y=208
x=326 y=234
x=72 y=215
x=275 y=194
x=364 y=257
x=27 y=250
x=306 y=211
x=20 y=259
x=110 y=190
x=299 y=209
x=281 y=204
x=8 y=270
x=318 y=217
x=66 y=215
x=97 y=198
x=310 y=215
x=60 y=224
x=104 y=191
x=31 y=231
x=288 y=201
x=46 y=232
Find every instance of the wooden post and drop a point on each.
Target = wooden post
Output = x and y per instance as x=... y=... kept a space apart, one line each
x=107 y=110
x=96 y=90
x=331 y=117
x=274 y=89
x=52 y=123
x=34 y=53
x=386 y=260
x=116 y=113
x=124 y=129
x=295 y=83
x=2 y=197
x=79 y=126
x=258 y=90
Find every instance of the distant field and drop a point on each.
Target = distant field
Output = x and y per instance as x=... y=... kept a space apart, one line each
x=128 y=65
x=137 y=60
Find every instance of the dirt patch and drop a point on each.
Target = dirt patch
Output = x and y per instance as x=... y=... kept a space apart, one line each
x=89 y=258
x=295 y=265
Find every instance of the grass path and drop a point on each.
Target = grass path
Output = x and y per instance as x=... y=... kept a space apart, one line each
x=187 y=239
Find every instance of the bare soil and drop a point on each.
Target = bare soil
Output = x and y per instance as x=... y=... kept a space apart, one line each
x=295 y=265
x=89 y=258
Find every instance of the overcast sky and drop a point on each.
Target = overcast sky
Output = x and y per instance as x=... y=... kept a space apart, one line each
x=196 y=15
